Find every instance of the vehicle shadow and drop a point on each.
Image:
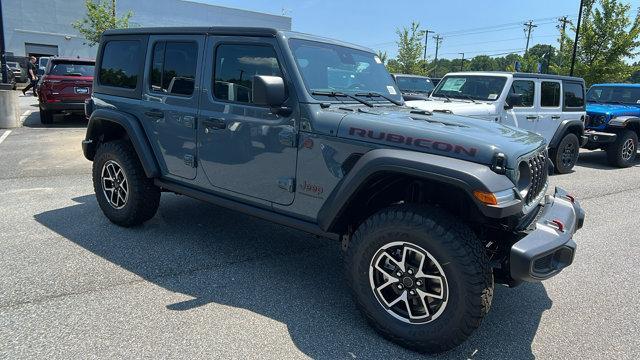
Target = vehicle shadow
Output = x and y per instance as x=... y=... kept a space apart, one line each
x=223 y=257
x=598 y=160
x=59 y=121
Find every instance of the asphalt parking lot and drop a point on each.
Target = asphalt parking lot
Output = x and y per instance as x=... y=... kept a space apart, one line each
x=198 y=281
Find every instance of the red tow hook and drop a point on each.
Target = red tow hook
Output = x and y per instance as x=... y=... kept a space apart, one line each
x=571 y=198
x=558 y=224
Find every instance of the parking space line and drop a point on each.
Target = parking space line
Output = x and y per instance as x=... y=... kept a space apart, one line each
x=4 y=136
x=27 y=113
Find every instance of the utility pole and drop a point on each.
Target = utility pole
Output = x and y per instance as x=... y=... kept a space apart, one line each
x=424 y=58
x=462 y=62
x=575 y=42
x=3 y=55
x=438 y=40
x=113 y=12
x=529 y=25
x=564 y=21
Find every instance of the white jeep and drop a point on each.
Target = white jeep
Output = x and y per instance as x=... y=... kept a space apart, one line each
x=550 y=105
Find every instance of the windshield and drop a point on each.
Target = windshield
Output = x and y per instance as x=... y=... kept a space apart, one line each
x=13 y=64
x=414 y=84
x=614 y=95
x=71 y=69
x=332 y=68
x=470 y=87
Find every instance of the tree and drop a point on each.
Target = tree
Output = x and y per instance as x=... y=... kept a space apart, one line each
x=382 y=55
x=101 y=16
x=607 y=38
x=483 y=63
x=410 y=49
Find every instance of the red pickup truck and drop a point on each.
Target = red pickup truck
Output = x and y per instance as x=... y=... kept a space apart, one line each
x=65 y=85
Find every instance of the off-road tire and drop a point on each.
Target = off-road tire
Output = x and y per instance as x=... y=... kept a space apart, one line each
x=452 y=244
x=143 y=196
x=615 y=151
x=46 y=117
x=569 y=144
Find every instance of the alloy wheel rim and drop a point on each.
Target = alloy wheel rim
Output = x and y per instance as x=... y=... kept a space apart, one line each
x=115 y=186
x=408 y=282
x=627 y=149
x=568 y=155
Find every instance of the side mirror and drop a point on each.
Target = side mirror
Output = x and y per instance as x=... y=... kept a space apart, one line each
x=513 y=100
x=268 y=91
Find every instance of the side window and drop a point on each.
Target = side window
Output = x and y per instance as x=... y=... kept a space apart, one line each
x=550 y=94
x=173 y=67
x=573 y=95
x=235 y=67
x=524 y=88
x=119 y=67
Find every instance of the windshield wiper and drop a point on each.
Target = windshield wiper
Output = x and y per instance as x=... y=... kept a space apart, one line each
x=442 y=95
x=341 y=94
x=373 y=94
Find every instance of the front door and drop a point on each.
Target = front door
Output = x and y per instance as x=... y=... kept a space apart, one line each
x=242 y=147
x=550 y=108
x=524 y=115
x=171 y=96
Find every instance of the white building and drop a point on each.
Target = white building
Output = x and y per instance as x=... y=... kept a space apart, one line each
x=43 y=27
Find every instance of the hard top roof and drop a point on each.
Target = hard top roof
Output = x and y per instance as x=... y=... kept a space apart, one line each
x=519 y=75
x=230 y=31
x=411 y=75
x=618 y=85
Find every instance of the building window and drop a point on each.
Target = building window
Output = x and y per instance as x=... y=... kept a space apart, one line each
x=174 y=67
x=550 y=93
x=120 y=64
x=235 y=67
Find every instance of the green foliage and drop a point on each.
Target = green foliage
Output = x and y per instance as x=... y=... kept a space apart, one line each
x=101 y=16
x=410 y=50
x=382 y=55
x=607 y=38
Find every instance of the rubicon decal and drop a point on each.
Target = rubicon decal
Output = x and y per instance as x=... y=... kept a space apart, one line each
x=417 y=142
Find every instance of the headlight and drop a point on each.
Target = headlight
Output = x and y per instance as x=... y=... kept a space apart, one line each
x=523 y=181
x=597 y=120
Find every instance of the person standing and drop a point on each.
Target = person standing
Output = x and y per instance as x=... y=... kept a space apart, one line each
x=32 y=71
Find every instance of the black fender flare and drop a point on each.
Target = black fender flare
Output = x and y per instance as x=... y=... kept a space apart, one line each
x=563 y=129
x=623 y=121
x=465 y=175
x=135 y=133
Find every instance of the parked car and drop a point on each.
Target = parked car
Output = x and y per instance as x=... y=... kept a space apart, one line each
x=19 y=73
x=413 y=87
x=431 y=208
x=614 y=121
x=550 y=105
x=65 y=86
x=11 y=78
x=42 y=65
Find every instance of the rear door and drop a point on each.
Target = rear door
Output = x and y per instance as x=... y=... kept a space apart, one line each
x=550 y=108
x=170 y=100
x=243 y=147
x=525 y=114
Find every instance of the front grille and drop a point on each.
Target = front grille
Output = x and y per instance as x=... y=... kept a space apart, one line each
x=539 y=174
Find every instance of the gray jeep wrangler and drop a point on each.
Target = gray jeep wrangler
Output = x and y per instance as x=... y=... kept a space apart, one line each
x=431 y=209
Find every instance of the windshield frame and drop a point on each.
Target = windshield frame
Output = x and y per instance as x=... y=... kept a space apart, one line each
x=292 y=44
x=434 y=93
x=612 y=102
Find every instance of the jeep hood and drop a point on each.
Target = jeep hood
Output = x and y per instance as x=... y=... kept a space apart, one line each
x=441 y=134
x=465 y=108
x=613 y=109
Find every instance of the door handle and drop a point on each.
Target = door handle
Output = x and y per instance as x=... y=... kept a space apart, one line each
x=555 y=117
x=531 y=117
x=156 y=114
x=214 y=124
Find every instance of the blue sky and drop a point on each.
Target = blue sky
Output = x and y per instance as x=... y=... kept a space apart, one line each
x=473 y=27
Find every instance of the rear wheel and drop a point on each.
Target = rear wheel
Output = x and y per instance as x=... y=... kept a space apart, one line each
x=46 y=116
x=622 y=153
x=566 y=155
x=125 y=194
x=420 y=277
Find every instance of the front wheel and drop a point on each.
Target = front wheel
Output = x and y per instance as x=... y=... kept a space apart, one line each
x=622 y=152
x=125 y=195
x=420 y=277
x=566 y=155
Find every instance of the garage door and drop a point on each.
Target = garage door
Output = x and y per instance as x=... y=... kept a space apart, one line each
x=41 y=49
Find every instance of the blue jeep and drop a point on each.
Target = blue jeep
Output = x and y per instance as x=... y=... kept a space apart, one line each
x=614 y=121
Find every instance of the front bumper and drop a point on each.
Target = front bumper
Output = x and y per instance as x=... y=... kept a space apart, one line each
x=598 y=138
x=548 y=246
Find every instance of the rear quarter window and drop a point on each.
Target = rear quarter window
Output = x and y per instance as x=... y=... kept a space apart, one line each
x=120 y=64
x=573 y=96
